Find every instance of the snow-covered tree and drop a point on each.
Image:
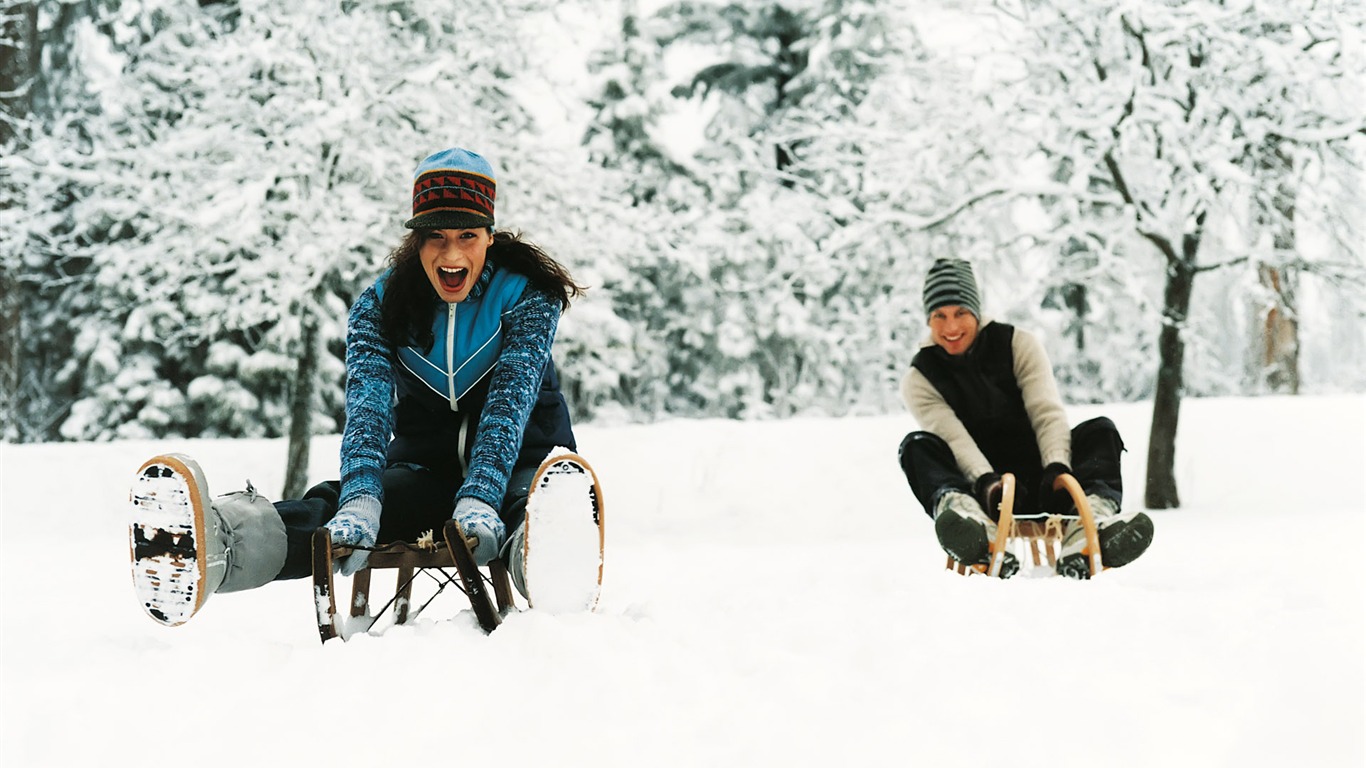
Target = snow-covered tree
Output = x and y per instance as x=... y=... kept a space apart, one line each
x=758 y=190
x=246 y=162
x=628 y=112
x=749 y=299
x=1172 y=108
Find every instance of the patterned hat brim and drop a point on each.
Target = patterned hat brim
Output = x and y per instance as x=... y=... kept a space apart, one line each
x=449 y=220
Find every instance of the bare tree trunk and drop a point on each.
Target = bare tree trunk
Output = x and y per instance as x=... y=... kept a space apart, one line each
x=1277 y=357
x=301 y=404
x=1280 y=358
x=1280 y=353
x=9 y=355
x=18 y=69
x=1160 y=492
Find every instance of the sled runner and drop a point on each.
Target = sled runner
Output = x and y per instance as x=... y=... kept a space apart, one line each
x=447 y=565
x=1039 y=534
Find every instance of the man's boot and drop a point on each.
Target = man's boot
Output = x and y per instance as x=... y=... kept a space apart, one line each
x=1123 y=537
x=965 y=532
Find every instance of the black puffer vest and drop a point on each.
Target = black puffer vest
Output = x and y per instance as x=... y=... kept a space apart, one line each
x=980 y=387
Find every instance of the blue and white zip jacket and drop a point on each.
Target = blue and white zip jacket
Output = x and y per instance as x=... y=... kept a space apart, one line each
x=482 y=400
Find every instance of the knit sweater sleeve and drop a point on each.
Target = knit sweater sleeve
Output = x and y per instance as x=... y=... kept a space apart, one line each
x=1034 y=374
x=527 y=338
x=369 y=402
x=935 y=415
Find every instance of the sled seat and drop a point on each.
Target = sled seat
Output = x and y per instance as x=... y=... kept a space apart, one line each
x=1039 y=535
x=411 y=560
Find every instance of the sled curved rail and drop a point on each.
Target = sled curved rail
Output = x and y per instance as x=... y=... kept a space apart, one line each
x=1005 y=525
x=1008 y=527
x=1088 y=520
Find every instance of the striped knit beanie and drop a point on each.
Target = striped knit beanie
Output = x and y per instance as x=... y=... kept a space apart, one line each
x=950 y=281
x=453 y=189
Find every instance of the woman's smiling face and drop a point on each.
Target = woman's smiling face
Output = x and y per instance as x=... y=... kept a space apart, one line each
x=453 y=259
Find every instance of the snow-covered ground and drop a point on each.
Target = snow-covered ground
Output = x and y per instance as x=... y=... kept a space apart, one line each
x=774 y=597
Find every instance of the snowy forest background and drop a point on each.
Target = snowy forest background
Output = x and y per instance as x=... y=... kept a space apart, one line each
x=191 y=194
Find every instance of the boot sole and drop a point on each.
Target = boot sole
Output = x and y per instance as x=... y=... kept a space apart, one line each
x=166 y=540
x=964 y=540
x=562 y=552
x=1120 y=545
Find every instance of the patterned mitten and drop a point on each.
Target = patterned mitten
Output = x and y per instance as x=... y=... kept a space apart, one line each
x=479 y=520
x=355 y=525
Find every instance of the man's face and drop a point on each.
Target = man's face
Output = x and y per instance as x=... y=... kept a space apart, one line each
x=953 y=328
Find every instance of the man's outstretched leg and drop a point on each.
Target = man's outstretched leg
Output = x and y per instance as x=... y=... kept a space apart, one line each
x=1096 y=450
x=963 y=528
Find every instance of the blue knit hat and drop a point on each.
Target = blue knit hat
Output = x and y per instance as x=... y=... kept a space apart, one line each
x=949 y=282
x=453 y=189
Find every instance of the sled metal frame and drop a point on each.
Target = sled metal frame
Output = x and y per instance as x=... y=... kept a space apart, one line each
x=1039 y=534
x=410 y=561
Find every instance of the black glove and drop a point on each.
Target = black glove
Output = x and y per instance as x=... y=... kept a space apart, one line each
x=987 y=491
x=1050 y=476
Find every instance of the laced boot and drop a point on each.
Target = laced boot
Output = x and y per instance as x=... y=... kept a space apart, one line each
x=1123 y=537
x=966 y=532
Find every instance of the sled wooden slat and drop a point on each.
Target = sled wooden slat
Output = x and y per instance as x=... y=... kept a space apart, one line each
x=502 y=585
x=408 y=560
x=403 y=593
x=1034 y=551
x=324 y=604
x=360 y=593
x=1042 y=535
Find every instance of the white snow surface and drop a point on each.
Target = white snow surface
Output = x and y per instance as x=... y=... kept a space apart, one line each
x=773 y=597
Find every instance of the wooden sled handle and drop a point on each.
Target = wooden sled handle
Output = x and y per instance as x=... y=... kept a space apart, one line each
x=1003 y=524
x=397 y=548
x=1088 y=520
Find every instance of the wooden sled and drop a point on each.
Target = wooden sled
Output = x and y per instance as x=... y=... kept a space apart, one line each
x=1040 y=535
x=445 y=566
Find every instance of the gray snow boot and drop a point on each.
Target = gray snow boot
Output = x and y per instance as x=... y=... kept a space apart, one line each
x=185 y=547
x=965 y=532
x=514 y=554
x=1123 y=537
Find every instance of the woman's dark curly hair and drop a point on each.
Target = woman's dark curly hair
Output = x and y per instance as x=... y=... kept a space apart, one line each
x=406 y=310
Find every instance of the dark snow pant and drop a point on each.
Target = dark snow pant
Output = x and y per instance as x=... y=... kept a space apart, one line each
x=931 y=469
x=416 y=500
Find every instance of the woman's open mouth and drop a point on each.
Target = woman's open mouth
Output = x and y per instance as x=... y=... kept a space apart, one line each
x=452 y=278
